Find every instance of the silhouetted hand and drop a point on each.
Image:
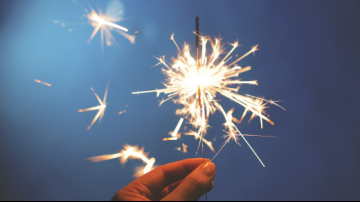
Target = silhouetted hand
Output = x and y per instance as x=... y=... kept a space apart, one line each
x=185 y=180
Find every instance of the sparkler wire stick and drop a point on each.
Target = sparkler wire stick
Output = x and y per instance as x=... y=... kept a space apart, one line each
x=199 y=91
x=198 y=67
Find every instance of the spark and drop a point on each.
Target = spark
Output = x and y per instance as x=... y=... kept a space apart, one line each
x=129 y=152
x=197 y=136
x=38 y=81
x=175 y=135
x=195 y=84
x=100 y=107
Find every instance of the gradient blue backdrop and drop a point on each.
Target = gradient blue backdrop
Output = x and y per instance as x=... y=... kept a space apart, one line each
x=309 y=58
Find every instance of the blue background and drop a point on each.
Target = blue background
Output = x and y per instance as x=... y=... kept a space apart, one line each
x=309 y=58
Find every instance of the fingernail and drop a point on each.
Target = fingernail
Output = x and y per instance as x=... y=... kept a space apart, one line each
x=208 y=169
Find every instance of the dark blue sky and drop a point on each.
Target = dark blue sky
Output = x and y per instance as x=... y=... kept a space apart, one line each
x=309 y=57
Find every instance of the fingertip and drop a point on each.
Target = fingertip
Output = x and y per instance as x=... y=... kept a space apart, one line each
x=208 y=169
x=211 y=186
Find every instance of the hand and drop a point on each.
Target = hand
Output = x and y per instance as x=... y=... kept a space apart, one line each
x=185 y=180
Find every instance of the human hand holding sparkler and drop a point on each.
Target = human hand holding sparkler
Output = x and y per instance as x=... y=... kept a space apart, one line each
x=185 y=180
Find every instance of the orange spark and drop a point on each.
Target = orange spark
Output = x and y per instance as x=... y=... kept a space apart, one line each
x=184 y=148
x=122 y=112
x=38 y=81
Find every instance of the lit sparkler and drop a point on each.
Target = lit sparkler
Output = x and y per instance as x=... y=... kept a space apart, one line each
x=129 y=152
x=195 y=83
x=100 y=107
x=38 y=81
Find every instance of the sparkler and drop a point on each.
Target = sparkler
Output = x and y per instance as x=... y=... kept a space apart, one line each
x=129 y=152
x=100 y=107
x=195 y=83
x=38 y=81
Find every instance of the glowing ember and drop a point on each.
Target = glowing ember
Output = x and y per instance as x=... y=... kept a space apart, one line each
x=100 y=107
x=122 y=112
x=129 y=152
x=194 y=84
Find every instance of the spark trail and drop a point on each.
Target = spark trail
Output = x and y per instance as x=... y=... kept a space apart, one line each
x=38 y=81
x=129 y=152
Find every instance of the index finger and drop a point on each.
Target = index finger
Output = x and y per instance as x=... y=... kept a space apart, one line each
x=163 y=176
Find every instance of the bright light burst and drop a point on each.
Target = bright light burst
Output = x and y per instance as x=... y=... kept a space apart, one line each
x=194 y=84
x=129 y=152
x=106 y=24
x=100 y=107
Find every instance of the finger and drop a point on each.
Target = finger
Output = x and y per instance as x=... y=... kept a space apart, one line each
x=165 y=175
x=152 y=183
x=174 y=185
x=167 y=190
x=195 y=184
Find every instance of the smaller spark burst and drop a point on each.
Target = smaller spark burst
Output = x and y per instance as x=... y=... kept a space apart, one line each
x=130 y=152
x=105 y=22
x=100 y=107
x=38 y=81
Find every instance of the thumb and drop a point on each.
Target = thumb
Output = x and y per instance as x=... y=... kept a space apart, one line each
x=196 y=184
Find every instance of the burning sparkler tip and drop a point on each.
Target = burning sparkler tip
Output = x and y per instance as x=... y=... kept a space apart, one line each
x=195 y=82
